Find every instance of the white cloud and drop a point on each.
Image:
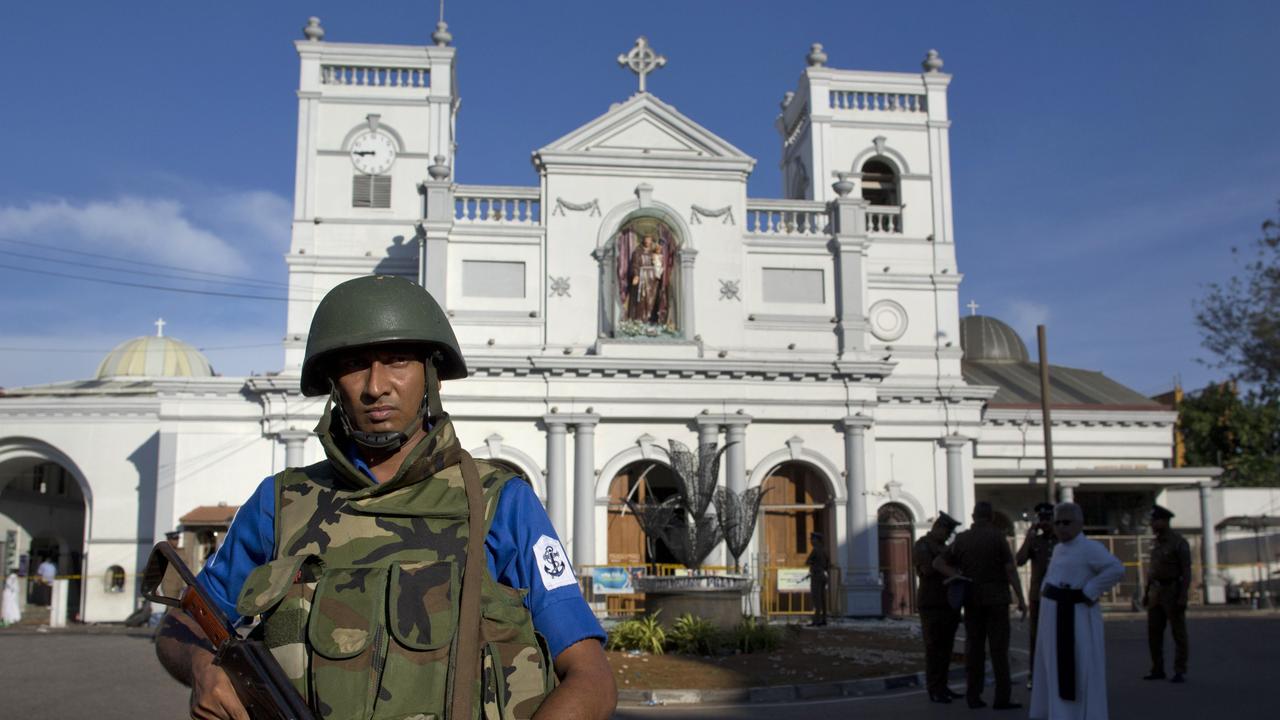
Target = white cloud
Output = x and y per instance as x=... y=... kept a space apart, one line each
x=1024 y=316
x=152 y=229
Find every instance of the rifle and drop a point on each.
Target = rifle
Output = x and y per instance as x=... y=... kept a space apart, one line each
x=259 y=682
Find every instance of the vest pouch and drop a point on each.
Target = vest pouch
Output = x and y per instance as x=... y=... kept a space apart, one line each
x=423 y=614
x=515 y=678
x=348 y=640
x=282 y=592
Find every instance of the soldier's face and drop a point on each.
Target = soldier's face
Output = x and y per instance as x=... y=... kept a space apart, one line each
x=381 y=387
x=1159 y=524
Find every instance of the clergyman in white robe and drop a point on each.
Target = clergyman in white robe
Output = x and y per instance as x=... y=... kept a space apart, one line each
x=10 y=612
x=1085 y=565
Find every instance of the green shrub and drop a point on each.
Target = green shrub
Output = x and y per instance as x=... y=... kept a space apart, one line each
x=752 y=635
x=693 y=636
x=643 y=634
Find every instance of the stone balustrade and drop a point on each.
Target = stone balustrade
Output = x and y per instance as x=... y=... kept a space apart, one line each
x=497 y=204
x=787 y=217
x=369 y=76
x=877 y=101
x=884 y=219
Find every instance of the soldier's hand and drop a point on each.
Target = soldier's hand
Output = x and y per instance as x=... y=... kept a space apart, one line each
x=212 y=695
x=1022 y=609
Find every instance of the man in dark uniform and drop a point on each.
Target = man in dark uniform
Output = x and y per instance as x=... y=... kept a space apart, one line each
x=1037 y=547
x=1168 y=579
x=819 y=564
x=938 y=620
x=982 y=555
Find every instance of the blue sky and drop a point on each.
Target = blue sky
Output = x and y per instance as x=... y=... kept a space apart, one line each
x=1106 y=156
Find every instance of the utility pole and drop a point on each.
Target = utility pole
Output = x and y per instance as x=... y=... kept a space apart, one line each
x=1044 y=412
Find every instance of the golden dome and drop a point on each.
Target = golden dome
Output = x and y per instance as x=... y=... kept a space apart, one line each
x=154 y=356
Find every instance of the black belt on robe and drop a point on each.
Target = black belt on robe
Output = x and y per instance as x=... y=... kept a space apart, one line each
x=1066 y=599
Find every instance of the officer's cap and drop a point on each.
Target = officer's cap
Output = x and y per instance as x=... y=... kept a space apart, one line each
x=950 y=522
x=1044 y=508
x=1160 y=513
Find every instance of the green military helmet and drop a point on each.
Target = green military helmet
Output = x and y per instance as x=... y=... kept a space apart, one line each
x=377 y=309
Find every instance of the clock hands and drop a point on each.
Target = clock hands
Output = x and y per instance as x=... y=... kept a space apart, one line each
x=364 y=152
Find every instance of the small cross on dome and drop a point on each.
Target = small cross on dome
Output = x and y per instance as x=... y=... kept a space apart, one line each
x=160 y=323
x=973 y=307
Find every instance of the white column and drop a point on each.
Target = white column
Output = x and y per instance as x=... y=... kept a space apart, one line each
x=1214 y=592
x=584 y=489
x=955 y=445
x=861 y=577
x=1067 y=491
x=557 y=503
x=709 y=434
x=735 y=467
x=295 y=442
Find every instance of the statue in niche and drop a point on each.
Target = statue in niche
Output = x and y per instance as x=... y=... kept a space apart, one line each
x=646 y=280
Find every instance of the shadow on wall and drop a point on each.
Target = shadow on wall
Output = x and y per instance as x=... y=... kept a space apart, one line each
x=401 y=258
x=145 y=460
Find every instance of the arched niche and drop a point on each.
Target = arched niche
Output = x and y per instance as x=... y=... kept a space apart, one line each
x=520 y=462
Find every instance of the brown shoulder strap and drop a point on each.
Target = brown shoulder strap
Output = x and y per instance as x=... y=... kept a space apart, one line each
x=467 y=659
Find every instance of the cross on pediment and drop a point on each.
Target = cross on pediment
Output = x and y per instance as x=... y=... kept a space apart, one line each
x=973 y=307
x=642 y=60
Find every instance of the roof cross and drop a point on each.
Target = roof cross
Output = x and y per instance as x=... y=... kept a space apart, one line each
x=160 y=323
x=973 y=307
x=642 y=60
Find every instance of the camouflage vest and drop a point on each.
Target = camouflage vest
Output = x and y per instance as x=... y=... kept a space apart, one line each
x=362 y=604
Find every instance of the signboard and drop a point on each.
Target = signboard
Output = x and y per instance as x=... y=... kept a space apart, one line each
x=611 y=580
x=793 y=579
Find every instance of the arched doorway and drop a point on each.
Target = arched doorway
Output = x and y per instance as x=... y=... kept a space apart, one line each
x=797 y=502
x=42 y=517
x=641 y=483
x=896 y=539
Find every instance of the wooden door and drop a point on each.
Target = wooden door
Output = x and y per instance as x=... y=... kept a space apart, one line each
x=898 y=598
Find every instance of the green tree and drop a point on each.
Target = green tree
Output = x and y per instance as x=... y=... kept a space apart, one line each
x=1240 y=320
x=1239 y=434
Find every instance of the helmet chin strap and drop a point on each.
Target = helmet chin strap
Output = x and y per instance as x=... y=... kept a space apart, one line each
x=393 y=440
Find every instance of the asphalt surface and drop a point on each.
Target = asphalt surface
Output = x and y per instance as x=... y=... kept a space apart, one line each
x=1234 y=661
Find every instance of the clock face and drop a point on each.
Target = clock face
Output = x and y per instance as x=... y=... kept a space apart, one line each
x=372 y=153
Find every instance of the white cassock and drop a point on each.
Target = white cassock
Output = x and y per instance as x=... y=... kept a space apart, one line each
x=1085 y=565
x=10 y=612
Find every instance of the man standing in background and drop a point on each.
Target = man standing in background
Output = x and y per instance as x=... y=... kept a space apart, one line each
x=982 y=555
x=819 y=563
x=1166 y=595
x=938 y=620
x=1037 y=548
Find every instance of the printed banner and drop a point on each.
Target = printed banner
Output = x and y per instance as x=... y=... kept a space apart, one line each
x=793 y=579
x=611 y=580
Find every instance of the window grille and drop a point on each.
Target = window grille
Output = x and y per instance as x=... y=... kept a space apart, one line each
x=371 y=191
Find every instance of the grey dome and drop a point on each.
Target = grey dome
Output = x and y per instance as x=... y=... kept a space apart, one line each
x=986 y=339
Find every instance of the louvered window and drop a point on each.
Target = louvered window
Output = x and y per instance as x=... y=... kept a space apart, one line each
x=371 y=191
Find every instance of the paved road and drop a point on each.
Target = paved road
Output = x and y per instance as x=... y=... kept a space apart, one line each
x=1233 y=664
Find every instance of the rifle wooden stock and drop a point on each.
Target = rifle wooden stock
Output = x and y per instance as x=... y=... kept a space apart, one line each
x=259 y=682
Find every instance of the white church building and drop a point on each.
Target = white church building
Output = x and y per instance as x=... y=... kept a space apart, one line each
x=631 y=293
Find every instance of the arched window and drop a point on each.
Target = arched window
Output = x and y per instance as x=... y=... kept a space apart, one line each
x=115 y=579
x=880 y=183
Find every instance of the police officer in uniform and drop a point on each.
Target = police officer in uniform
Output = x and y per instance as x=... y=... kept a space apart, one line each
x=819 y=565
x=398 y=577
x=938 y=620
x=1168 y=580
x=982 y=555
x=1037 y=548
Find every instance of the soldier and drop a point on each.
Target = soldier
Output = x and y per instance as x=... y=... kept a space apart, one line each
x=819 y=565
x=938 y=620
x=981 y=554
x=1037 y=548
x=398 y=577
x=1168 y=580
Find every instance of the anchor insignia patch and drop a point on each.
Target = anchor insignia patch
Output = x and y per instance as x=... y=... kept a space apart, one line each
x=553 y=563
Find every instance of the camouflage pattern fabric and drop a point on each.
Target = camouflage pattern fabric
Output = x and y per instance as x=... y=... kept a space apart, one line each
x=360 y=605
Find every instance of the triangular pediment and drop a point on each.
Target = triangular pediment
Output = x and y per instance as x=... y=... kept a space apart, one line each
x=645 y=126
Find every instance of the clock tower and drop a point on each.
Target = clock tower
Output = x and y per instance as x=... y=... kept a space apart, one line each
x=371 y=120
